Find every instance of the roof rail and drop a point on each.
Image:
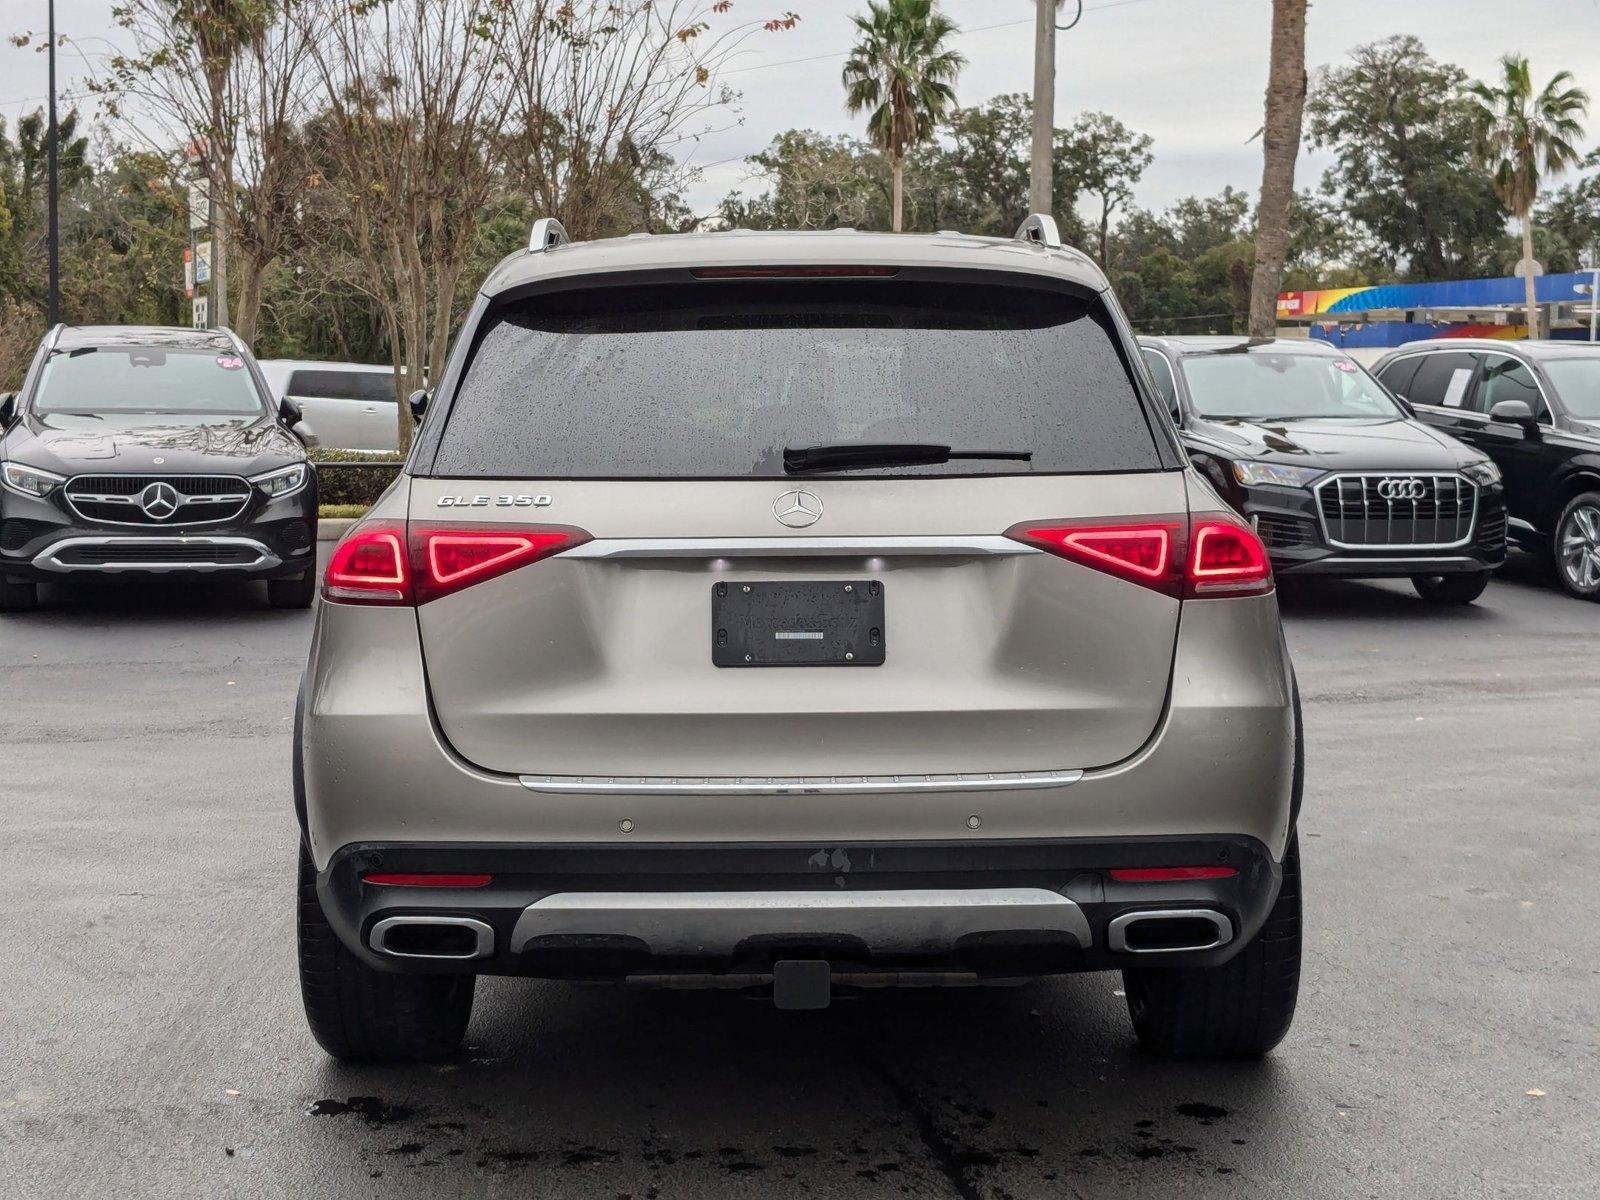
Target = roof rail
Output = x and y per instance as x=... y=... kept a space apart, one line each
x=1040 y=228
x=548 y=233
x=54 y=338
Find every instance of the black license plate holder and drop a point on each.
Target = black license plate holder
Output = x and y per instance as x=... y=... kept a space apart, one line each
x=798 y=623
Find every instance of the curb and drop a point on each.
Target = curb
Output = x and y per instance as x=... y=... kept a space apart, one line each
x=331 y=529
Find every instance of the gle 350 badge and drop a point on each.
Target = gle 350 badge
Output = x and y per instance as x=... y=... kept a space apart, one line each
x=493 y=501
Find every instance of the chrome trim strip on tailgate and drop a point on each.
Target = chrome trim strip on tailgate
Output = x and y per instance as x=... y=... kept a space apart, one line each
x=702 y=923
x=782 y=547
x=807 y=785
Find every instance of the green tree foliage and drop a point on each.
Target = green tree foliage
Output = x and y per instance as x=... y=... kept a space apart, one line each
x=1400 y=126
x=1105 y=159
x=1567 y=227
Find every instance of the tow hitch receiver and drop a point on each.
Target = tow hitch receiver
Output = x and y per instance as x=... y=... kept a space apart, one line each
x=801 y=983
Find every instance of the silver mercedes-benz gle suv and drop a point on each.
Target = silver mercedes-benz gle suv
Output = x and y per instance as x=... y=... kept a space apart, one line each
x=799 y=613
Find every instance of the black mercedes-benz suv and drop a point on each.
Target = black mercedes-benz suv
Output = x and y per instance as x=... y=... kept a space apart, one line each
x=1337 y=476
x=139 y=450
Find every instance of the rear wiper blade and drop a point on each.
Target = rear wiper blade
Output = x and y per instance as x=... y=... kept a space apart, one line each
x=852 y=456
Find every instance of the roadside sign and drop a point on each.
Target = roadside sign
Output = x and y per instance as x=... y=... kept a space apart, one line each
x=202 y=262
x=202 y=312
x=199 y=204
x=188 y=273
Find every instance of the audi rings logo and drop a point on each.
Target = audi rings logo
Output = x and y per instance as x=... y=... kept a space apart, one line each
x=159 y=501
x=798 y=508
x=1402 y=489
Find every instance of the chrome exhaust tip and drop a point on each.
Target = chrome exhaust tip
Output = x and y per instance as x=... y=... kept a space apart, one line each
x=453 y=939
x=1168 y=931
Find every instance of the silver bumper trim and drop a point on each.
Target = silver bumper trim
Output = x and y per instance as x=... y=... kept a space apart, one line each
x=806 y=785
x=48 y=560
x=791 y=547
x=715 y=923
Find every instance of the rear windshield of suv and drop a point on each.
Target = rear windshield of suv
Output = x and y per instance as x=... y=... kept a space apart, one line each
x=715 y=380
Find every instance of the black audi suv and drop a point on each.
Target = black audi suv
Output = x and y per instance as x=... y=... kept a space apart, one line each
x=1534 y=408
x=1337 y=476
x=148 y=451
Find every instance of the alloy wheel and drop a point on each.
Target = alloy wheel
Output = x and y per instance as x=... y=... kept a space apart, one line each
x=1579 y=548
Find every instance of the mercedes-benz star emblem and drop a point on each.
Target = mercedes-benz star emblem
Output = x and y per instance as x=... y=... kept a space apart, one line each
x=159 y=501
x=798 y=508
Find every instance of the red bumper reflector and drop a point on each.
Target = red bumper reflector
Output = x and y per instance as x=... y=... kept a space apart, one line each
x=403 y=879
x=1169 y=874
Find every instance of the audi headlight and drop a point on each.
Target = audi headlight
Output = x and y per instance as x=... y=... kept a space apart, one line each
x=28 y=481
x=284 y=482
x=1253 y=474
x=1482 y=473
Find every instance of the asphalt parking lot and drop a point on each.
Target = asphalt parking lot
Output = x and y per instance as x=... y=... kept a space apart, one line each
x=1446 y=1043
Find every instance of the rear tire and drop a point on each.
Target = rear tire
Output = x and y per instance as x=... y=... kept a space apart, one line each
x=1241 y=1009
x=360 y=1014
x=18 y=595
x=1577 y=547
x=295 y=592
x=1451 y=589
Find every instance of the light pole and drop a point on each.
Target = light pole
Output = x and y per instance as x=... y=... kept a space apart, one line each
x=55 y=224
x=1040 y=184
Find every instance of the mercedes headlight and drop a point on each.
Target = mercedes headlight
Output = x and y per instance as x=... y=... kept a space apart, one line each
x=29 y=481
x=1253 y=474
x=1484 y=473
x=284 y=482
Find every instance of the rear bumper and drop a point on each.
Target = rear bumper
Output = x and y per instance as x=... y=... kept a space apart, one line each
x=726 y=914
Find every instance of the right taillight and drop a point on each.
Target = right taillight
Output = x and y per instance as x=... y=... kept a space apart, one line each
x=1226 y=558
x=1199 y=557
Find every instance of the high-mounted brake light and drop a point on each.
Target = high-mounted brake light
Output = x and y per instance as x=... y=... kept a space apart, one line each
x=830 y=272
x=385 y=563
x=1169 y=874
x=1199 y=557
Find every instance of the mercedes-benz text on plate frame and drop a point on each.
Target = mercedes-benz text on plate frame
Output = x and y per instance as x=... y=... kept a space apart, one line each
x=875 y=642
x=798 y=508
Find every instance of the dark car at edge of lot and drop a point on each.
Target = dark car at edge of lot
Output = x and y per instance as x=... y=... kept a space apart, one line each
x=1337 y=477
x=147 y=451
x=1534 y=408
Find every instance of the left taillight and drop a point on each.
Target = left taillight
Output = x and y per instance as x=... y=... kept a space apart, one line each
x=388 y=563
x=370 y=566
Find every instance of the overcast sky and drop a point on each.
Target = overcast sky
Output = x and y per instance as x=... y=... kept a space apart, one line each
x=1191 y=73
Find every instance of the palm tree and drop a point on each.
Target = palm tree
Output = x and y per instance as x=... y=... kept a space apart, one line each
x=1280 y=146
x=1523 y=137
x=902 y=71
